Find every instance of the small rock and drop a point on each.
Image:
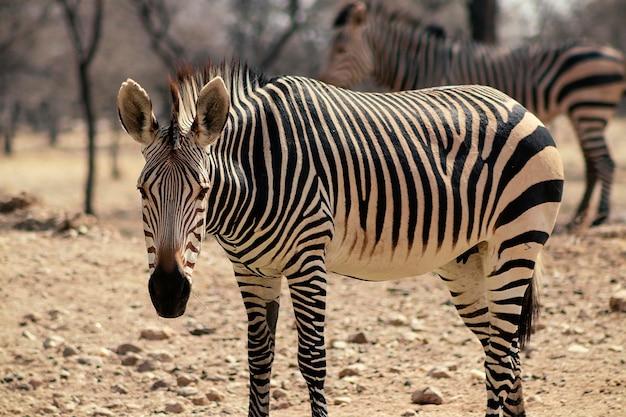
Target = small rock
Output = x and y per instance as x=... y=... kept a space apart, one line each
x=155 y=334
x=183 y=380
x=358 y=338
x=147 y=366
x=352 y=370
x=427 y=395
x=617 y=302
x=342 y=400
x=199 y=400
x=35 y=382
x=187 y=391
x=161 y=383
x=131 y=359
x=398 y=319
x=339 y=345
x=175 y=407
x=29 y=335
x=201 y=331
x=214 y=395
x=439 y=372
x=48 y=409
x=31 y=317
x=90 y=360
x=69 y=351
x=53 y=341
x=161 y=356
x=616 y=348
x=534 y=398
x=101 y=412
x=478 y=375
x=64 y=374
x=125 y=348
x=408 y=413
x=576 y=348
x=279 y=394
x=119 y=388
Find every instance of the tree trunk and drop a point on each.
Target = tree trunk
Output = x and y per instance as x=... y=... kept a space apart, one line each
x=482 y=15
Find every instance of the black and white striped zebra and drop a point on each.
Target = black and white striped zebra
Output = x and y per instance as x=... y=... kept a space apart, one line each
x=580 y=79
x=297 y=178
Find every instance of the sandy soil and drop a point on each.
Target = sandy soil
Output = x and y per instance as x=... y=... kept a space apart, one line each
x=80 y=336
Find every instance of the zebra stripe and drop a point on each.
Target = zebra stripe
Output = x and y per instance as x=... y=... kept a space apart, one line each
x=581 y=79
x=297 y=178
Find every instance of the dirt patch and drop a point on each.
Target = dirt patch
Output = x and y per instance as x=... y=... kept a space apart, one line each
x=80 y=336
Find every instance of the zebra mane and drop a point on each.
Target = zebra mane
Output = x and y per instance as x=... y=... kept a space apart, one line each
x=379 y=10
x=189 y=80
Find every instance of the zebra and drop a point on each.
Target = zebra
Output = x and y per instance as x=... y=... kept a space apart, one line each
x=295 y=178
x=578 y=78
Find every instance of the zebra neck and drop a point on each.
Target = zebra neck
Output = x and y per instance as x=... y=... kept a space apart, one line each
x=407 y=58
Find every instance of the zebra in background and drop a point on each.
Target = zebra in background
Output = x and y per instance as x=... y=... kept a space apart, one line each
x=297 y=178
x=581 y=79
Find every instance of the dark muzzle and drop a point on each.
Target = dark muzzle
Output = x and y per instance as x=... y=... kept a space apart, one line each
x=169 y=292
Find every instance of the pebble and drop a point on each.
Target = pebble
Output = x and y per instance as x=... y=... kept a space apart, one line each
x=183 y=380
x=119 y=388
x=147 y=365
x=439 y=372
x=125 y=348
x=131 y=359
x=35 y=382
x=339 y=345
x=576 y=348
x=358 y=338
x=53 y=341
x=175 y=407
x=427 y=395
x=69 y=351
x=161 y=356
x=279 y=393
x=478 y=375
x=397 y=319
x=342 y=400
x=617 y=302
x=29 y=335
x=408 y=413
x=187 y=391
x=352 y=370
x=161 y=383
x=155 y=334
x=101 y=412
x=199 y=400
x=214 y=395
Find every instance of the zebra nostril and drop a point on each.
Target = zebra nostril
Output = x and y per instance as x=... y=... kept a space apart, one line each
x=169 y=292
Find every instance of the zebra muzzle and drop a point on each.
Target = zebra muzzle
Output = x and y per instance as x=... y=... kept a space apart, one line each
x=169 y=292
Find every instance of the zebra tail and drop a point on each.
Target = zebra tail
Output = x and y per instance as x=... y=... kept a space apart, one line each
x=530 y=306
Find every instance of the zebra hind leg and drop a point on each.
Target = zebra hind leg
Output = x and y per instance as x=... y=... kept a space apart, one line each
x=599 y=167
x=492 y=309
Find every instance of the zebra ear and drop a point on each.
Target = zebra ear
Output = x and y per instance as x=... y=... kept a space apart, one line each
x=211 y=112
x=135 y=111
x=359 y=14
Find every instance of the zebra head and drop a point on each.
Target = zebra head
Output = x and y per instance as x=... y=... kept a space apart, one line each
x=174 y=181
x=351 y=57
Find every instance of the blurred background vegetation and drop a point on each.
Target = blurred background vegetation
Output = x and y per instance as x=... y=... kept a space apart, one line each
x=62 y=61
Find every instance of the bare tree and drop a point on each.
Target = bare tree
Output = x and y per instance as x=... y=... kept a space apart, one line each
x=85 y=47
x=155 y=19
x=482 y=15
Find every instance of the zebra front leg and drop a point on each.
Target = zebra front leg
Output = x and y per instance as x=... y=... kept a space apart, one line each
x=261 y=298
x=308 y=294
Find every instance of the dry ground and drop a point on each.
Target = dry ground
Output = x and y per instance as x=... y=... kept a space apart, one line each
x=69 y=300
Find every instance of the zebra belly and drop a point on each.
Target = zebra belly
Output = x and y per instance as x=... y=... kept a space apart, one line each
x=382 y=262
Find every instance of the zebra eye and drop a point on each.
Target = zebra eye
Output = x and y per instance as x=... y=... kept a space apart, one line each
x=142 y=192
x=202 y=193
